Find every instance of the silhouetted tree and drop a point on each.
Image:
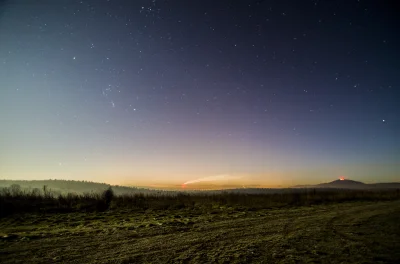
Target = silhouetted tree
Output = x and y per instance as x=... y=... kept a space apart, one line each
x=107 y=196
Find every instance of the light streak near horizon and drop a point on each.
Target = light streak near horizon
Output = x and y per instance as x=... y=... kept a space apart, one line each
x=222 y=177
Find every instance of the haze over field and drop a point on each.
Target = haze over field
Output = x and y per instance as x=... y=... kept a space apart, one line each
x=212 y=93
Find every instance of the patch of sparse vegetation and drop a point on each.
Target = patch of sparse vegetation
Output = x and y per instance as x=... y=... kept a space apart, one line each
x=14 y=200
x=302 y=225
x=351 y=232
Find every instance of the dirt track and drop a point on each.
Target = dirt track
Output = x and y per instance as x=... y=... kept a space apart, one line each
x=341 y=233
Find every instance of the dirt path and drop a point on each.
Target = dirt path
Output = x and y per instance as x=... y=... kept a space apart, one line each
x=349 y=233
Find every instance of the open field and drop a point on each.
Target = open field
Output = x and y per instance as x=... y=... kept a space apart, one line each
x=350 y=232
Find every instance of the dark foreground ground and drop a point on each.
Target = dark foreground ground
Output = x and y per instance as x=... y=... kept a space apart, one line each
x=357 y=232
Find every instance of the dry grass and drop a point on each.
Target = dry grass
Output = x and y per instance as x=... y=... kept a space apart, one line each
x=15 y=201
x=351 y=232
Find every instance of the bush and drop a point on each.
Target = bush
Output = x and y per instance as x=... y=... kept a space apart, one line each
x=107 y=197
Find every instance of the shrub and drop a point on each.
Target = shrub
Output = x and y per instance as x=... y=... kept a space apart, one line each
x=107 y=197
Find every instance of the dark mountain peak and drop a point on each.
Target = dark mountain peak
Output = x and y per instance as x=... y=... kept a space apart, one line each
x=344 y=182
x=350 y=184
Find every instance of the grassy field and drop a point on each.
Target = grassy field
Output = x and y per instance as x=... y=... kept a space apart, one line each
x=350 y=232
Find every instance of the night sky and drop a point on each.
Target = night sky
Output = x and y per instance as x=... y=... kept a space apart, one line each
x=157 y=93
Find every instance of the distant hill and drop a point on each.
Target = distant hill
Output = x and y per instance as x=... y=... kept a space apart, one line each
x=346 y=184
x=350 y=184
x=78 y=187
x=81 y=187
